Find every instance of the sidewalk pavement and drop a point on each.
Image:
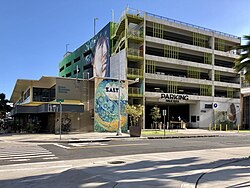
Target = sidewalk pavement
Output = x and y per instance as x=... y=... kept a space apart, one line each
x=225 y=167
x=107 y=136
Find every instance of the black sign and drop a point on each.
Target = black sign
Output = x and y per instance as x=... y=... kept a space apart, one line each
x=112 y=89
x=173 y=97
x=63 y=89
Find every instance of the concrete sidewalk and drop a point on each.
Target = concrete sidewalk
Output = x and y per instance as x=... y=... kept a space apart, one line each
x=107 y=136
x=228 y=167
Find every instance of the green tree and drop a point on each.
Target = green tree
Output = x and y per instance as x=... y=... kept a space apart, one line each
x=4 y=107
x=243 y=62
x=155 y=113
x=134 y=112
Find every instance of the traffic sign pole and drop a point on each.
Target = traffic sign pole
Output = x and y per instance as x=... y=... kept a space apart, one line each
x=60 y=116
x=60 y=120
x=164 y=112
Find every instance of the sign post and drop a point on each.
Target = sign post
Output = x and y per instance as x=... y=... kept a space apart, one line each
x=60 y=117
x=164 y=113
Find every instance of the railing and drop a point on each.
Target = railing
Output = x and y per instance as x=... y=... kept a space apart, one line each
x=133 y=72
x=134 y=12
x=134 y=92
x=118 y=41
x=116 y=25
x=137 y=34
x=191 y=25
x=135 y=52
x=246 y=84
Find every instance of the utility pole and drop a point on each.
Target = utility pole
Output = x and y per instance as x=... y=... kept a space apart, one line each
x=119 y=132
x=95 y=23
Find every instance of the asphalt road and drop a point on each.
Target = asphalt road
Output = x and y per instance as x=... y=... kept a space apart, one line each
x=129 y=147
x=158 y=164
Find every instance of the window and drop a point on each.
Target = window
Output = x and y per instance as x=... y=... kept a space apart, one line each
x=76 y=59
x=197 y=118
x=193 y=119
x=44 y=94
x=75 y=71
x=88 y=66
x=68 y=75
x=68 y=64
x=62 y=68
x=27 y=94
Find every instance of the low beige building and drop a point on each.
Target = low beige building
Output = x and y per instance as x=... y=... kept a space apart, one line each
x=37 y=105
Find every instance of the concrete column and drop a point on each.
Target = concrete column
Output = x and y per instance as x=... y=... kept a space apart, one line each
x=144 y=68
x=213 y=63
x=31 y=93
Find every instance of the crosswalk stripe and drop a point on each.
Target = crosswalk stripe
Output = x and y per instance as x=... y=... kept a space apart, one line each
x=24 y=153
x=24 y=157
x=20 y=160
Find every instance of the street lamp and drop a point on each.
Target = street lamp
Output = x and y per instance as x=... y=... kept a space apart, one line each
x=67 y=48
x=94 y=24
x=119 y=131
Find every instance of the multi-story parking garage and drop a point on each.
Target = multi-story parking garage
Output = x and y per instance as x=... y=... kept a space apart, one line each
x=180 y=67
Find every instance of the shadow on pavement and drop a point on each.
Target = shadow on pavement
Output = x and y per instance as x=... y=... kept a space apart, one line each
x=145 y=173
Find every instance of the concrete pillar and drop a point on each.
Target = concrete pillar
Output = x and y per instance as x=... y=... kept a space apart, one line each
x=213 y=63
x=144 y=68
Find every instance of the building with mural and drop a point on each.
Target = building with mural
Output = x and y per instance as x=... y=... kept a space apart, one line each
x=182 y=68
x=156 y=61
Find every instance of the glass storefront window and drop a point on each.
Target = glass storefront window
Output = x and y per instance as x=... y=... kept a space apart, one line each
x=43 y=94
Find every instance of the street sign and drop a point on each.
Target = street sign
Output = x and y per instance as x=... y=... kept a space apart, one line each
x=59 y=100
x=164 y=112
x=215 y=105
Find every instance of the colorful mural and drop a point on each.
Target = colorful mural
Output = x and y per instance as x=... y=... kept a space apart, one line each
x=228 y=115
x=106 y=105
x=99 y=53
x=93 y=56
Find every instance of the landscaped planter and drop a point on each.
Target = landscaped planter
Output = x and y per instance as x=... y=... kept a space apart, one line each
x=135 y=131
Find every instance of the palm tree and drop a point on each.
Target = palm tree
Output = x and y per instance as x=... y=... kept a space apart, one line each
x=243 y=62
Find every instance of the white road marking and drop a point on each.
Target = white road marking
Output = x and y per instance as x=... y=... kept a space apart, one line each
x=61 y=146
x=37 y=179
x=23 y=152
x=88 y=144
x=48 y=158
x=20 y=160
x=38 y=168
x=36 y=156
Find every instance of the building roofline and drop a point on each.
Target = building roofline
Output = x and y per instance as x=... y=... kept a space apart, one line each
x=128 y=10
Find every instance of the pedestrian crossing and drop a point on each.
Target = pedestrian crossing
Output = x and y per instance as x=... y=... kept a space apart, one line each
x=24 y=152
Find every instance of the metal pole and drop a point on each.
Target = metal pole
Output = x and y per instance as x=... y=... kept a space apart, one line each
x=164 y=125
x=67 y=48
x=119 y=132
x=60 y=121
x=88 y=90
x=94 y=24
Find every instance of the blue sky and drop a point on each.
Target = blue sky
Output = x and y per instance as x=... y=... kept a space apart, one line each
x=34 y=33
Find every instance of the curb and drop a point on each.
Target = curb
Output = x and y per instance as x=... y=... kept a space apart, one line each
x=219 y=166
x=68 y=141
x=182 y=136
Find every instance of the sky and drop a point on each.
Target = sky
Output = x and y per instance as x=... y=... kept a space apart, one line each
x=34 y=33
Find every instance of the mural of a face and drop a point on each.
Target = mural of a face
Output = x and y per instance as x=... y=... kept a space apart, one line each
x=232 y=113
x=101 y=57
